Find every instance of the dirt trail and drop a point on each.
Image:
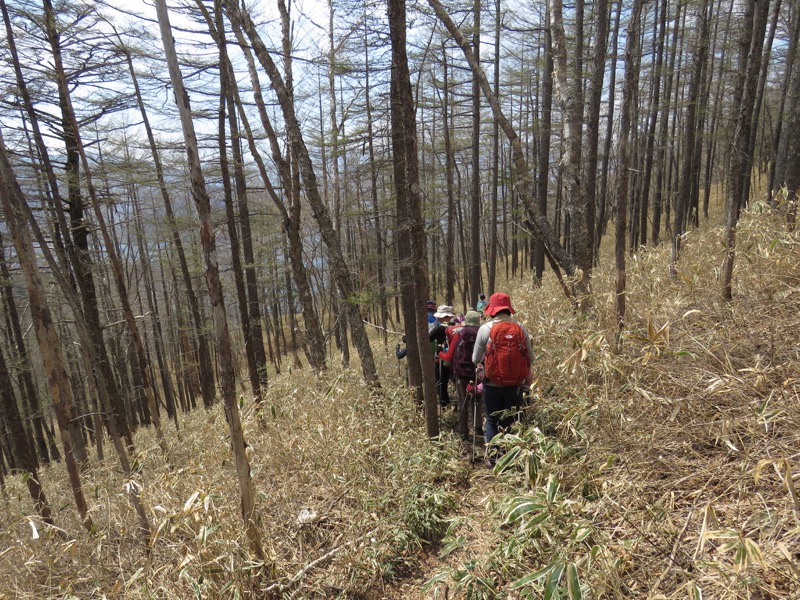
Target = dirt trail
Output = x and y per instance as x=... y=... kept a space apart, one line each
x=473 y=520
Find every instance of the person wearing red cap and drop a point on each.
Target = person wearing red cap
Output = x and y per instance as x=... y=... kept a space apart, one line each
x=503 y=384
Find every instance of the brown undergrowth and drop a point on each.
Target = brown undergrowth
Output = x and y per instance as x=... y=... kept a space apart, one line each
x=663 y=469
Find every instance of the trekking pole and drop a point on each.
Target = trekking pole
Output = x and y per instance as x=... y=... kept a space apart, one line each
x=474 y=413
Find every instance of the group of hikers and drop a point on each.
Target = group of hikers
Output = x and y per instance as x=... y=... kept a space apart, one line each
x=487 y=354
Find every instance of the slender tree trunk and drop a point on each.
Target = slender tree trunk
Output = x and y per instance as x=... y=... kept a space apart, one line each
x=632 y=59
x=26 y=383
x=46 y=334
x=373 y=173
x=593 y=117
x=450 y=167
x=21 y=444
x=545 y=135
x=659 y=26
x=602 y=211
x=783 y=138
x=222 y=334
x=492 y=267
x=744 y=94
x=661 y=158
x=341 y=271
x=538 y=221
x=475 y=280
x=690 y=123
x=571 y=102
x=143 y=362
x=410 y=232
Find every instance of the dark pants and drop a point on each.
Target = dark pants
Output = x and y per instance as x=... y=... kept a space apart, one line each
x=442 y=381
x=469 y=407
x=497 y=400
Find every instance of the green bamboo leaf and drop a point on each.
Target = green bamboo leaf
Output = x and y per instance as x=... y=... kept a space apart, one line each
x=507 y=459
x=573 y=584
x=522 y=506
x=531 y=577
x=551 y=588
x=438 y=578
x=695 y=593
x=552 y=488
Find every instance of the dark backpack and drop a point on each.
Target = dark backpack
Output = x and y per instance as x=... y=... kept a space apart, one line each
x=463 y=366
x=506 y=360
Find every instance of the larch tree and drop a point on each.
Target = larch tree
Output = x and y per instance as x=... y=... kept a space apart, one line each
x=222 y=335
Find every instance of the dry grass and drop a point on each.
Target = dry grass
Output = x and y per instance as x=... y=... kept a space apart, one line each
x=675 y=456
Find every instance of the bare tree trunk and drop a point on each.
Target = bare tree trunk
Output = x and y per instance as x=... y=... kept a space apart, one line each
x=744 y=94
x=205 y=373
x=593 y=117
x=690 y=133
x=450 y=166
x=21 y=444
x=410 y=233
x=25 y=380
x=341 y=271
x=116 y=265
x=571 y=102
x=602 y=209
x=475 y=191
x=222 y=335
x=538 y=221
x=46 y=334
x=783 y=138
x=791 y=135
x=659 y=25
x=545 y=135
x=290 y=216
x=632 y=60
x=492 y=268
x=373 y=173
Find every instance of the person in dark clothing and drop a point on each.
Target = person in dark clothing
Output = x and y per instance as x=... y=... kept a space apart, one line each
x=463 y=371
x=399 y=352
x=438 y=337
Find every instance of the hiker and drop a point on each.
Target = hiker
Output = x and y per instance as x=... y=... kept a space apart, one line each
x=399 y=352
x=459 y=355
x=504 y=346
x=430 y=306
x=481 y=305
x=438 y=337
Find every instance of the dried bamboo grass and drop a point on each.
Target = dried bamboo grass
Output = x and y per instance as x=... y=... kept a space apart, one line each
x=689 y=435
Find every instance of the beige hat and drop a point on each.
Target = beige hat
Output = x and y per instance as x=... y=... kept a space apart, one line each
x=444 y=311
x=472 y=318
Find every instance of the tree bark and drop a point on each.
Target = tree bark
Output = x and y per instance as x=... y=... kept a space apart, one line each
x=571 y=102
x=750 y=47
x=205 y=371
x=475 y=278
x=46 y=334
x=632 y=59
x=341 y=271
x=222 y=334
x=690 y=134
x=410 y=232
x=538 y=221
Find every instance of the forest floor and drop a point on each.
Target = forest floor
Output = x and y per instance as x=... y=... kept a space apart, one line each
x=664 y=466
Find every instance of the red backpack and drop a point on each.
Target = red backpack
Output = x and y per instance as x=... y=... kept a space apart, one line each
x=506 y=362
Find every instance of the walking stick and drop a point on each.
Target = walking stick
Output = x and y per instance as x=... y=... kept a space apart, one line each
x=474 y=413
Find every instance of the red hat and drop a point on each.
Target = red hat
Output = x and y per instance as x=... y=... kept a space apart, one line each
x=498 y=302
